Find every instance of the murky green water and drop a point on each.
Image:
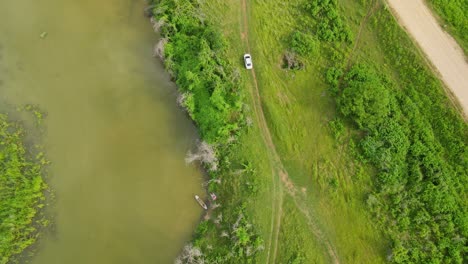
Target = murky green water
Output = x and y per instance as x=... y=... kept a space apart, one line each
x=113 y=132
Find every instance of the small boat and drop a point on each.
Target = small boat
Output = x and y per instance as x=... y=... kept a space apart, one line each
x=213 y=196
x=200 y=201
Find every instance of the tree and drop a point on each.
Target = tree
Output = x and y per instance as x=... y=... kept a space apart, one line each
x=365 y=98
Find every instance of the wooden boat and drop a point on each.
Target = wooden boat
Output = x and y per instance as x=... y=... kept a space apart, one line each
x=200 y=201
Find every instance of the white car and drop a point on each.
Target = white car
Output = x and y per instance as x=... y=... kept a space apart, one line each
x=248 y=61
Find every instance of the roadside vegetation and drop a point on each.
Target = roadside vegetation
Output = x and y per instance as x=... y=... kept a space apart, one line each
x=21 y=190
x=419 y=195
x=416 y=140
x=454 y=15
x=361 y=123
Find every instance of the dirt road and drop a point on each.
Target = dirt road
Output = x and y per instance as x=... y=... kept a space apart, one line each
x=280 y=177
x=440 y=48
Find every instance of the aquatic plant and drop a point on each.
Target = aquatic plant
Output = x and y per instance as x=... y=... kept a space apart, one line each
x=21 y=190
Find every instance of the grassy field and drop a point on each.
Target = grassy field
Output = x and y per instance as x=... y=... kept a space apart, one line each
x=298 y=109
x=296 y=179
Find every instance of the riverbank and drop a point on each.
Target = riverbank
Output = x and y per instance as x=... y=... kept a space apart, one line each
x=306 y=57
x=210 y=86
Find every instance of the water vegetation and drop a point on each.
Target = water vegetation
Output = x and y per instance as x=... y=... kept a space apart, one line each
x=21 y=190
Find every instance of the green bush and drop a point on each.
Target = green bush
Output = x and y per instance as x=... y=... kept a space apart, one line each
x=303 y=44
x=330 y=25
x=365 y=98
x=455 y=14
x=195 y=55
x=337 y=128
x=421 y=189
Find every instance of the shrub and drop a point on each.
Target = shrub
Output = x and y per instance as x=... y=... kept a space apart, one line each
x=364 y=98
x=421 y=188
x=330 y=26
x=303 y=44
x=193 y=53
x=209 y=88
x=337 y=127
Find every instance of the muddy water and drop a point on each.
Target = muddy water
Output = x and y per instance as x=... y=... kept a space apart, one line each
x=113 y=132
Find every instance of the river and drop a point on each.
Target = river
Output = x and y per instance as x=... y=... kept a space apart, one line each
x=113 y=132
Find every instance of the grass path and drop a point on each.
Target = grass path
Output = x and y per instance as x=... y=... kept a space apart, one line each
x=277 y=193
x=280 y=177
x=372 y=8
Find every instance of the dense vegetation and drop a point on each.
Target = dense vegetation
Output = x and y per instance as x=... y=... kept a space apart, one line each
x=321 y=21
x=454 y=13
x=409 y=132
x=21 y=190
x=415 y=139
x=400 y=147
x=194 y=53
x=328 y=23
x=420 y=182
x=208 y=83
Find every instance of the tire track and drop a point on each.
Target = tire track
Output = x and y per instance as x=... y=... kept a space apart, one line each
x=374 y=5
x=280 y=176
x=277 y=193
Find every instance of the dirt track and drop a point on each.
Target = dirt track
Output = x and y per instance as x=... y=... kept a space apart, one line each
x=280 y=177
x=440 y=48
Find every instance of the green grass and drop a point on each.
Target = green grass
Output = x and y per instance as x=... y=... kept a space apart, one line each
x=455 y=19
x=298 y=110
x=326 y=166
x=243 y=192
x=295 y=244
x=421 y=110
x=227 y=14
